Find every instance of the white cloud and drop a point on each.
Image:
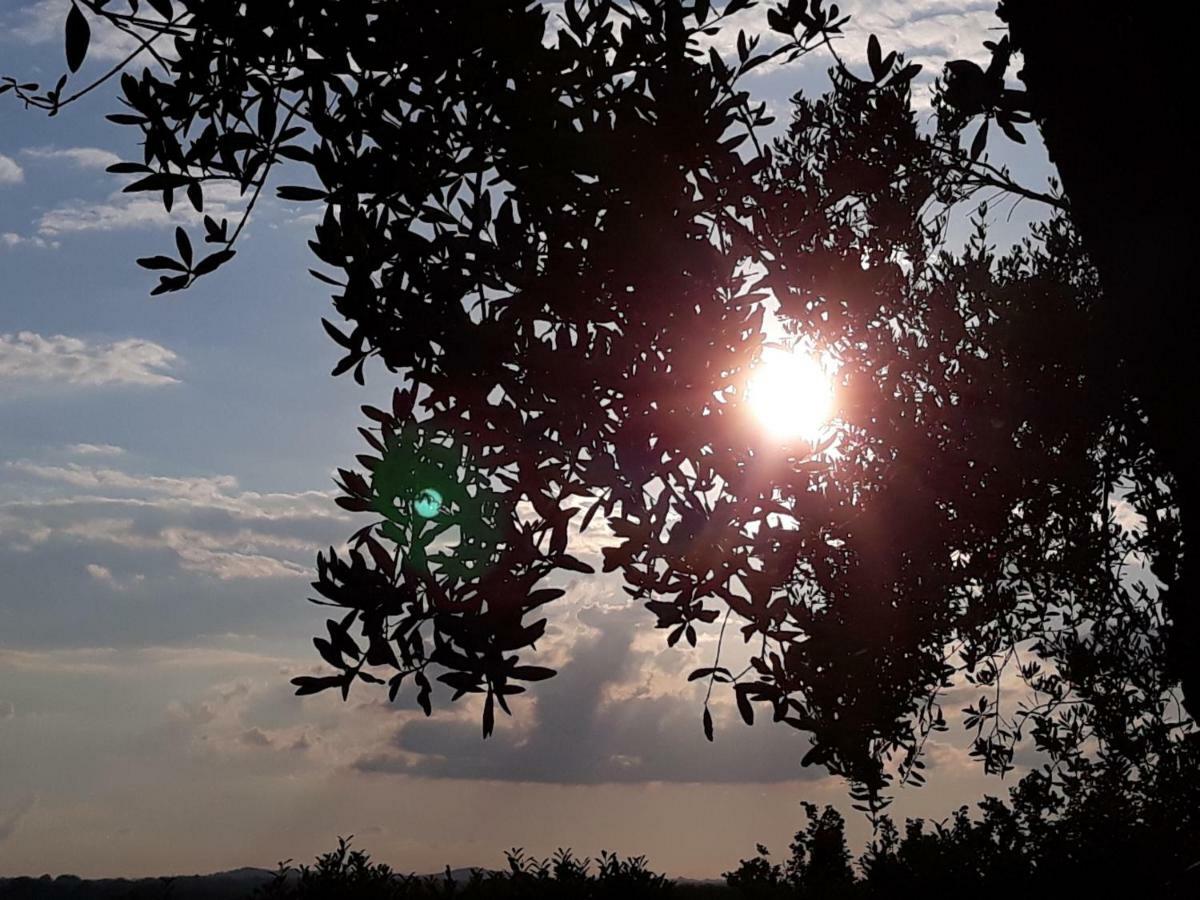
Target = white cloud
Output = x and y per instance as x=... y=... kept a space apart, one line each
x=42 y=22
x=217 y=492
x=83 y=157
x=164 y=525
x=10 y=239
x=30 y=357
x=196 y=488
x=121 y=211
x=95 y=450
x=10 y=172
x=100 y=573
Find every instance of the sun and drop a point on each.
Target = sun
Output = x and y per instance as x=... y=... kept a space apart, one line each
x=791 y=394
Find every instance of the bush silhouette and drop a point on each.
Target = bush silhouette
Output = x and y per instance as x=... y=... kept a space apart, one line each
x=349 y=873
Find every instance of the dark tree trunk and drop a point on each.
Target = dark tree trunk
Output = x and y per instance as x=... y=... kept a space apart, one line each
x=1111 y=88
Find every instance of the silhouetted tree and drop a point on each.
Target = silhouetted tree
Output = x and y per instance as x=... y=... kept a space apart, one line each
x=347 y=873
x=565 y=238
x=1120 y=147
x=820 y=860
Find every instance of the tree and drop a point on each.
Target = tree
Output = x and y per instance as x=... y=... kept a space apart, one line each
x=1116 y=139
x=347 y=873
x=564 y=239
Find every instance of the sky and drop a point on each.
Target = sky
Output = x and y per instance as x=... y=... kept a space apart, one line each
x=165 y=484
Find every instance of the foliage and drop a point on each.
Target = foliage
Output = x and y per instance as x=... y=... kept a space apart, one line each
x=1102 y=836
x=347 y=873
x=565 y=235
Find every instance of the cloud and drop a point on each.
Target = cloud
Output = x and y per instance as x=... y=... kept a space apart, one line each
x=10 y=172
x=216 y=492
x=10 y=240
x=82 y=157
x=95 y=450
x=11 y=817
x=94 y=553
x=59 y=359
x=255 y=737
x=42 y=22
x=121 y=211
x=120 y=662
x=614 y=713
x=198 y=488
x=100 y=573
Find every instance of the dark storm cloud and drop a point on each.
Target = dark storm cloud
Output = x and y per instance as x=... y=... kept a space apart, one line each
x=577 y=736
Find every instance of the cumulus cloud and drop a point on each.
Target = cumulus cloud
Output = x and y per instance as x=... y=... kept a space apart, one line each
x=614 y=713
x=58 y=359
x=82 y=157
x=10 y=172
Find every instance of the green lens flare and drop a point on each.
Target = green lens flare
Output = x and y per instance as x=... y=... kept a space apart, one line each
x=428 y=503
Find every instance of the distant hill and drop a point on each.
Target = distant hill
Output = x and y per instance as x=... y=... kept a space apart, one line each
x=237 y=883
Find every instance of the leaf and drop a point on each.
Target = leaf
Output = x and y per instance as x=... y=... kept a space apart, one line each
x=980 y=141
x=156 y=182
x=161 y=262
x=325 y=278
x=329 y=653
x=79 y=35
x=532 y=673
x=587 y=516
x=307 y=684
x=875 y=57
x=168 y=284
x=1007 y=127
x=744 y=707
x=163 y=8
x=300 y=193
x=908 y=73
x=489 y=715
x=184 y=244
x=213 y=260
x=423 y=694
x=545 y=595
x=571 y=564
x=337 y=335
x=708 y=724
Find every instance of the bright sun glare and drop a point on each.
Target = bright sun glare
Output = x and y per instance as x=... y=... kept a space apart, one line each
x=791 y=394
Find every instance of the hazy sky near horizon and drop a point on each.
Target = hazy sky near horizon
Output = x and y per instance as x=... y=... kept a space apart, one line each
x=165 y=484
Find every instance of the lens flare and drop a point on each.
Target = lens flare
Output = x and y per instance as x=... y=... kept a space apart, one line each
x=791 y=394
x=428 y=503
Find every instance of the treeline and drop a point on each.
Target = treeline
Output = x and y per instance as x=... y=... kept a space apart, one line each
x=1106 y=841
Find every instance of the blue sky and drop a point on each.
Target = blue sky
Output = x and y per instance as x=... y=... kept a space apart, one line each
x=165 y=483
